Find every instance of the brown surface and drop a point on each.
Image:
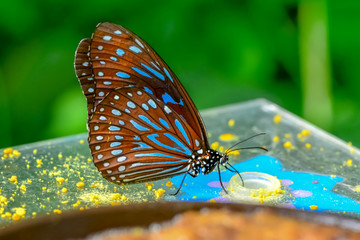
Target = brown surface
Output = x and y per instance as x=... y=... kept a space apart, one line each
x=224 y=224
x=79 y=224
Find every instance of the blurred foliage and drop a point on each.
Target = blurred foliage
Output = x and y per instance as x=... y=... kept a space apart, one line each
x=223 y=52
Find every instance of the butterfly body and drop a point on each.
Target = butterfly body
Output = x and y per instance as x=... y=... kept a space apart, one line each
x=142 y=124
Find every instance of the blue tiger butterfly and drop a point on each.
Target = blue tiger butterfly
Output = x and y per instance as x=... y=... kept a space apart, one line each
x=142 y=124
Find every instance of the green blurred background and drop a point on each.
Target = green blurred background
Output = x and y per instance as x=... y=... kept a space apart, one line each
x=302 y=55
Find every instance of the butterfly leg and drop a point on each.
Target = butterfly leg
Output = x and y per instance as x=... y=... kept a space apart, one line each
x=234 y=170
x=182 y=181
x=222 y=185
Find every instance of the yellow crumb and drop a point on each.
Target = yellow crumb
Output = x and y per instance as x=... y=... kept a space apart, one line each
x=235 y=153
x=277 y=119
x=116 y=196
x=349 y=162
x=231 y=122
x=58 y=211
x=214 y=145
x=227 y=137
x=60 y=180
x=305 y=132
x=39 y=162
x=169 y=184
x=76 y=204
x=276 y=139
x=307 y=145
x=124 y=198
x=64 y=202
x=159 y=192
x=287 y=145
x=23 y=188
x=64 y=190
x=80 y=184
x=8 y=150
x=314 y=207
x=16 y=153
x=13 y=179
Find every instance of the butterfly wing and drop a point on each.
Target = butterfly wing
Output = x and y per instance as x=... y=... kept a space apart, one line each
x=83 y=70
x=119 y=58
x=136 y=137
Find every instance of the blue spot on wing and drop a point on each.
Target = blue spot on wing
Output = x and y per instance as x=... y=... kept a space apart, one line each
x=156 y=73
x=182 y=130
x=167 y=98
x=153 y=154
x=148 y=90
x=141 y=146
x=164 y=123
x=183 y=149
x=144 y=118
x=138 y=126
x=167 y=74
x=141 y=72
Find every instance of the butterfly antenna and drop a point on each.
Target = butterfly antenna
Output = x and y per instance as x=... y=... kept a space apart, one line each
x=228 y=150
x=182 y=181
x=222 y=185
x=234 y=170
x=262 y=148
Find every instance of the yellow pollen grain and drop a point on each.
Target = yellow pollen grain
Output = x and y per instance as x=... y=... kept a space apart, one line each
x=23 y=188
x=307 y=145
x=39 y=162
x=124 y=198
x=227 y=137
x=20 y=211
x=80 y=184
x=277 y=119
x=13 y=179
x=276 y=139
x=212 y=200
x=64 y=190
x=81 y=141
x=349 y=162
x=35 y=151
x=44 y=188
x=194 y=197
x=231 y=122
x=314 y=207
x=214 y=145
x=116 y=196
x=89 y=159
x=60 y=155
x=221 y=149
x=352 y=150
x=16 y=153
x=169 y=184
x=8 y=150
x=57 y=211
x=305 y=132
x=159 y=192
x=350 y=144
x=287 y=145
x=235 y=153
x=60 y=180
x=287 y=135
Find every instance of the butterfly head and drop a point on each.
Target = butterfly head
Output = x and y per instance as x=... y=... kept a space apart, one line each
x=224 y=159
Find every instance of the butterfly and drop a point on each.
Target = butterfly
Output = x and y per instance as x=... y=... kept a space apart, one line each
x=142 y=123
